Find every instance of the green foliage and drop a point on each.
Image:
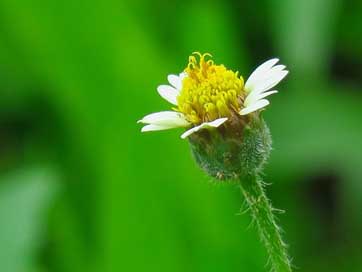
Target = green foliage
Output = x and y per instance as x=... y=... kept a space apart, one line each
x=25 y=200
x=76 y=75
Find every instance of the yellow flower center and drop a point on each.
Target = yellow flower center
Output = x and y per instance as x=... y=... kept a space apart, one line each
x=209 y=91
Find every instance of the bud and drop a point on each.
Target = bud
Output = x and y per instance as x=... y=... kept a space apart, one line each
x=238 y=148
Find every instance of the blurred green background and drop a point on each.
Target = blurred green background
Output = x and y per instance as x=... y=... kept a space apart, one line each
x=81 y=189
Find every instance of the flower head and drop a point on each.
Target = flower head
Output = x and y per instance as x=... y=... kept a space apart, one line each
x=206 y=95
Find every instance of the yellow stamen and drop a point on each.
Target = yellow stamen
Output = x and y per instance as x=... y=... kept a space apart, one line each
x=209 y=91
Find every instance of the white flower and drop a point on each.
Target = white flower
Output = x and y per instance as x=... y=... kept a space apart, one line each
x=199 y=104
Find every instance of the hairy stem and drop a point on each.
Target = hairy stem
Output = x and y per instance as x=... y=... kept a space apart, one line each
x=262 y=214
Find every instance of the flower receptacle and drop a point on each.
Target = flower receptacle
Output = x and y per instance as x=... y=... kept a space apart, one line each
x=233 y=150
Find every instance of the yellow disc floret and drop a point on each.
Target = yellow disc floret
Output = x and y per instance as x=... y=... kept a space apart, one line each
x=209 y=91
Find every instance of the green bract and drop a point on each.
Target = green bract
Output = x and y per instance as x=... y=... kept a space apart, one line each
x=233 y=150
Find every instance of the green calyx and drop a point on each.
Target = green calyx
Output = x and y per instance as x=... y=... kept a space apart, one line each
x=239 y=148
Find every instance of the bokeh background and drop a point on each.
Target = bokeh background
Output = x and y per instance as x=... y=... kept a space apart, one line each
x=82 y=190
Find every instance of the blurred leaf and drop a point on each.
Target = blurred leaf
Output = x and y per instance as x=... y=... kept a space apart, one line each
x=25 y=198
x=304 y=33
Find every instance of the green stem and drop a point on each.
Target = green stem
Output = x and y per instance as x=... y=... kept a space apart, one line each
x=263 y=216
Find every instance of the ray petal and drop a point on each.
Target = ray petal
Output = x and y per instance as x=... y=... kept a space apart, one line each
x=165 y=118
x=215 y=123
x=254 y=107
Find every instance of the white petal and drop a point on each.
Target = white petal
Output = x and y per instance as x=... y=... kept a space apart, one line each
x=254 y=107
x=269 y=73
x=259 y=72
x=154 y=128
x=168 y=93
x=253 y=97
x=263 y=95
x=165 y=118
x=215 y=123
x=268 y=82
x=279 y=67
x=175 y=81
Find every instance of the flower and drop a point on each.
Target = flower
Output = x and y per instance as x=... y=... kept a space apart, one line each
x=207 y=95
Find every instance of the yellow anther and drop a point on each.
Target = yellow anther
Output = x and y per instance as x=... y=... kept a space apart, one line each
x=232 y=93
x=191 y=66
x=204 y=99
x=223 y=96
x=192 y=59
x=197 y=54
x=209 y=107
x=209 y=91
x=222 y=108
